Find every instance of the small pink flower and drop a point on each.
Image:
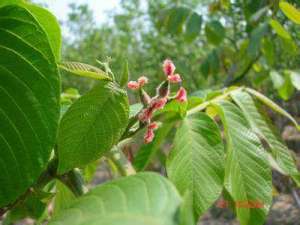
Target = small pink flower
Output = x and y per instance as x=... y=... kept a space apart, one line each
x=168 y=67
x=153 y=126
x=175 y=78
x=142 y=81
x=158 y=103
x=181 y=95
x=145 y=115
x=133 y=85
x=149 y=135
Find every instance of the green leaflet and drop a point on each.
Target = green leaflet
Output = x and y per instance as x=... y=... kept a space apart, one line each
x=125 y=75
x=142 y=199
x=196 y=163
x=148 y=151
x=290 y=11
x=280 y=30
x=193 y=27
x=215 y=32
x=50 y=25
x=29 y=108
x=92 y=125
x=272 y=105
x=84 y=70
x=63 y=198
x=247 y=172
x=262 y=126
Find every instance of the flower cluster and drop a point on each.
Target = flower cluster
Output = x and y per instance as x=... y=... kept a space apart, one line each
x=160 y=100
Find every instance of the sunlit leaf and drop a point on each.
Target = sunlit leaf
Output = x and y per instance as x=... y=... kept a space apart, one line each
x=290 y=11
x=142 y=199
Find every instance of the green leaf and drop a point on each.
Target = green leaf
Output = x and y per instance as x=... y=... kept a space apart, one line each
x=268 y=102
x=63 y=198
x=277 y=79
x=148 y=151
x=247 y=172
x=92 y=125
x=287 y=89
x=142 y=199
x=10 y=2
x=295 y=79
x=84 y=70
x=186 y=210
x=266 y=131
x=280 y=30
x=193 y=26
x=215 y=32
x=50 y=26
x=268 y=50
x=32 y=207
x=196 y=163
x=125 y=75
x=256 y=38
x=29 y=93
x=290 y=11
x=176 y=19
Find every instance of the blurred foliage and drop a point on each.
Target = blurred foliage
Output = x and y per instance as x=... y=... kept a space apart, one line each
x=214 y=43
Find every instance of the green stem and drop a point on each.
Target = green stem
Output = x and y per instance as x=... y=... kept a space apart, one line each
x=216 y=99
x=123 y=165
x=73 y=180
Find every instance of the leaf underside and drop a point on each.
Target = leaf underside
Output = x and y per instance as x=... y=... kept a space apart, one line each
x=247 y=171
x=196 y=163
x=92 y=125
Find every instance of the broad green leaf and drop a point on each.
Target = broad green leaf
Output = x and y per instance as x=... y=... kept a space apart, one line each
x=176 y=19
x=84 y=70
x=92 y=125
x=268 y=102
x=290 y=11
x=279 y=29
x=125 y=75
x=215 y=32
x=256 y=38
x=268 y=49
x=32 y=207
x=287 y=89
x=29 y=107
x=196 y=163
x=247 y=171
x=186 y=210
x=295 y=79
x=277 y=79
x=142 y=199
x=148 y=151
x=193 y=26
x=10 y=2
x=63 y=198
x=50 y=25
x=263 y=127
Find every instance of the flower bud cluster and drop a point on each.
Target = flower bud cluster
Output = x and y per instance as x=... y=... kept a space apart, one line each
x=160 y=100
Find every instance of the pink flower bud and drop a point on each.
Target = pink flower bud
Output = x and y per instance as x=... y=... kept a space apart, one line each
x=163 y=90
x=145 y=115
x=149 y=135
x=168 y=67
x=175 y=78
x=153 y=126
x=142 y=81
x=133 y=85
x=181 y=95
x=145 y=98
x=158 y=103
